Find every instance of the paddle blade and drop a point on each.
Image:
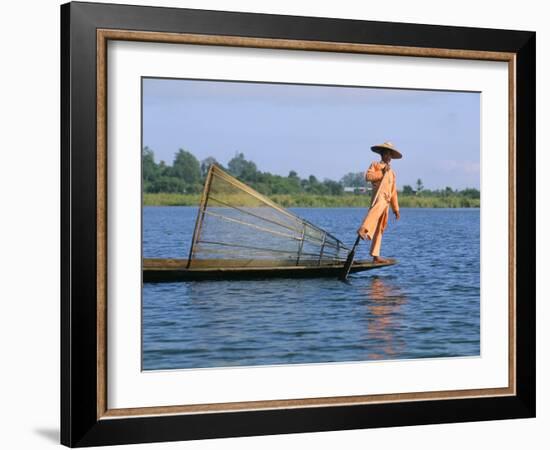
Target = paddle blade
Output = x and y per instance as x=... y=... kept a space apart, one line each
x=349 y=261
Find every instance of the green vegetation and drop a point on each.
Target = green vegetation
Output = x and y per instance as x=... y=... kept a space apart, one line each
x=181 y=185
x=455 y=201
x=327 y=201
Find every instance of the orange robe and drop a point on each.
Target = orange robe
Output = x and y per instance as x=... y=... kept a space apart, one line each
x=384 y=195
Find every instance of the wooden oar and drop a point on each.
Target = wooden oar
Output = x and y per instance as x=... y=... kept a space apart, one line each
x=351 y=255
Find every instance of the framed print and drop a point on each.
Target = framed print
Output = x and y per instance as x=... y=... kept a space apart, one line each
x=278 y=224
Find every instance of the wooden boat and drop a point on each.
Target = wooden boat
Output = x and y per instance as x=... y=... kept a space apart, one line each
x=240 y=233
x=169 y=270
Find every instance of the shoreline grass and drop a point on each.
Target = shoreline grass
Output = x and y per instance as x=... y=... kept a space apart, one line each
x=320 y=201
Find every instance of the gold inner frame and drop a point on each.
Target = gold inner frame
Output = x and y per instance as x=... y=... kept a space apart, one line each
x=104 y=35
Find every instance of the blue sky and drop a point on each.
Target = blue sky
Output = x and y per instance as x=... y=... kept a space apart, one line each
x=326 y=131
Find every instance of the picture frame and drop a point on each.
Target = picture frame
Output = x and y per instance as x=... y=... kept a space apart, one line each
x=86 y=29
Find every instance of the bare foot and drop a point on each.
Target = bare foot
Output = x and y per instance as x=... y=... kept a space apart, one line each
x=379 y=259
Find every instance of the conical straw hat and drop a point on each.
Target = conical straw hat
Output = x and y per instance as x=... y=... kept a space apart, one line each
x=395 y=154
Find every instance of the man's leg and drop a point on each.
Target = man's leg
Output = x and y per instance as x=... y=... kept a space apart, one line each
x=372 y=220
x=376 y=243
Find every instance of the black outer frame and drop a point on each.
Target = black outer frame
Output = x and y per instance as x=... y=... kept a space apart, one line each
x=79 y=424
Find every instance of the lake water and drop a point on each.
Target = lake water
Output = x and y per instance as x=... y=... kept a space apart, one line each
x=426 y=306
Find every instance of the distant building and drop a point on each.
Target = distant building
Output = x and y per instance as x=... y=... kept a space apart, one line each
x=357 y=190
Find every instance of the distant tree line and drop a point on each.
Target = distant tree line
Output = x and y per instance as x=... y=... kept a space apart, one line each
x=186 y=176
x=420 y=191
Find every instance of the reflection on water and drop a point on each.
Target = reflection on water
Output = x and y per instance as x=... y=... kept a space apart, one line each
x=426 y=306
x=384 y=318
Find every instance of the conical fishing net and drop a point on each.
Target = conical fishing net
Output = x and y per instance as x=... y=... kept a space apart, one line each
x=237 y=226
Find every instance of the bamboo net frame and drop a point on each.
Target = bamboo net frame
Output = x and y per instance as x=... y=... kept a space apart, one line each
x=235 y=222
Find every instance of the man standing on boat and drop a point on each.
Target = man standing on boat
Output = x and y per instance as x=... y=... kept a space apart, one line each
x=384 y=195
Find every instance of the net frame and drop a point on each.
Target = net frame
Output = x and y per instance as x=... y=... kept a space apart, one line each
x=331 y=249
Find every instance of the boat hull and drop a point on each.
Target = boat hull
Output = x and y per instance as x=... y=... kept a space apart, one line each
x=171 y=270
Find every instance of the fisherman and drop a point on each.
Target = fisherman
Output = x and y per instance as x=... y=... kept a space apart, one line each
x=384 y=195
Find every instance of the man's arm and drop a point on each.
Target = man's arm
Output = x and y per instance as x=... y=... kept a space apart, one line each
x=374 y=173
x=393 y=201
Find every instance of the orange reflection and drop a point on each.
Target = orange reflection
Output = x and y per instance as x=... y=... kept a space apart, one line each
x=384 y=304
